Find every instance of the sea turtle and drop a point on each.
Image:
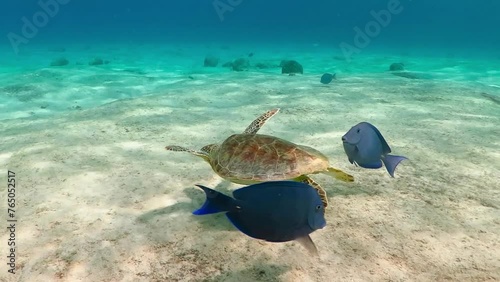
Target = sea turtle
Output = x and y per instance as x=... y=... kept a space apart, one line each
x=248 y=158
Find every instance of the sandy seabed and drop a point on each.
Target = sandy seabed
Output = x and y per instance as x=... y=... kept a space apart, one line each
x=99 y=199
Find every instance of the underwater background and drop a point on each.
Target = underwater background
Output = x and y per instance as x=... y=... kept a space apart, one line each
x=92 y=91
x=456 y=25
x=174 y=38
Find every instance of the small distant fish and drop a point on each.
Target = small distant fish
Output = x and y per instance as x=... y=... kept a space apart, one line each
x=327 y=78
x=250 y=54
x=274 y=211
x=365 y=146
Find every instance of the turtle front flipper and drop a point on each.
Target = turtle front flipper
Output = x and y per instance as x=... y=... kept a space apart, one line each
x=322 y=193
x=200 y=154
x=339 y=174
x=259 y=122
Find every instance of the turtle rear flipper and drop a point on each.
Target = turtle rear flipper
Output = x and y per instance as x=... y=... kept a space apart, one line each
x=209 y=148
x=200 y=154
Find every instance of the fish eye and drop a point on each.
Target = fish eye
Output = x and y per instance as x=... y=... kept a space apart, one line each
x=358 y=130
x=318 y=207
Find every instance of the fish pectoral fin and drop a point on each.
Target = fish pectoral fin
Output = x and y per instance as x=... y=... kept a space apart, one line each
x=308 y=243
x=351 y=161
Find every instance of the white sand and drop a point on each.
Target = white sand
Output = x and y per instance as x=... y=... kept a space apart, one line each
x=99 y=199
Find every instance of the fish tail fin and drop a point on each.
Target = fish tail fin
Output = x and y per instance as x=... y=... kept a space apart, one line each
x=215 y=202
x=391 y=162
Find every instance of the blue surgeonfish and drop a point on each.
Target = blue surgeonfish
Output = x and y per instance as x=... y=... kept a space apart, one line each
x=365 y=146
x=327 y=78
x=274 y=211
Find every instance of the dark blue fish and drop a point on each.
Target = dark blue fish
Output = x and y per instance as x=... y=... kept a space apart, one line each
x=274 y=211
x=327 y=78
x=365 y=146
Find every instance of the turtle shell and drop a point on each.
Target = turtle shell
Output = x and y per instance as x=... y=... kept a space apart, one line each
x=251 y=158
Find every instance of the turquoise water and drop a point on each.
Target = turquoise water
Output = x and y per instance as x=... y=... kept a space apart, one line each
x=31 y=87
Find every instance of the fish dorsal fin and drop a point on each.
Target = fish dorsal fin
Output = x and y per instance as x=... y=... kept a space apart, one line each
x=385 y=147
x=260 y=121
x=256 y=192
